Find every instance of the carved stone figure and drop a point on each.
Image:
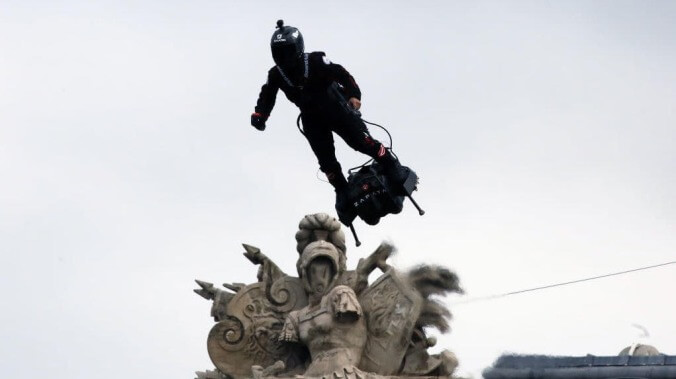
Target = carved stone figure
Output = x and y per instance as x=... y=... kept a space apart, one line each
x=329 y=322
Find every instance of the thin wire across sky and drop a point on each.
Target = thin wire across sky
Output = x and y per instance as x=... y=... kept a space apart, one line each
x=497 y=296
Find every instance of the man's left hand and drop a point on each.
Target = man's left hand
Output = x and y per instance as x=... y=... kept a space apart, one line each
x=355 y=103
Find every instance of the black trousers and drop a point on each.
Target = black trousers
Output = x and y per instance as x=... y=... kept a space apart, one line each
x=319 y=129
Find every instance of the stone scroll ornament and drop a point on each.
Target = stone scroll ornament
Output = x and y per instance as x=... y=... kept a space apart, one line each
x=329 y=322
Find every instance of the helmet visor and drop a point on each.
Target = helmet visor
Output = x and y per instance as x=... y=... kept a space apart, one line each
x=285 y=55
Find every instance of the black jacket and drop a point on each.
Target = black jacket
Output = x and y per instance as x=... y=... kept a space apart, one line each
x=307 y=85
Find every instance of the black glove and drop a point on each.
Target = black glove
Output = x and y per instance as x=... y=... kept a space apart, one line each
x=258 y=121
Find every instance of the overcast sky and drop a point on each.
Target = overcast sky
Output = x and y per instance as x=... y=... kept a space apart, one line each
x=544 y=134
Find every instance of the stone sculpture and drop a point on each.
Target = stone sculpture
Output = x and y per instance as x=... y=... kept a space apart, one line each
x=329 y=322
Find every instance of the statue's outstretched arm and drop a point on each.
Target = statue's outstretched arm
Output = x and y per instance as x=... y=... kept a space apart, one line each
x=377 y=259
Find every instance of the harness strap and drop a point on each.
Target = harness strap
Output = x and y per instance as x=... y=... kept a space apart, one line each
x=305 y=73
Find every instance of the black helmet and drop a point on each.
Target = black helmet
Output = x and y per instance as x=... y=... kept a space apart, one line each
x=287 y=45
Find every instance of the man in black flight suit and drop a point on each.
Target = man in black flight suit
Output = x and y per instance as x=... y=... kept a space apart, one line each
x=306 y=80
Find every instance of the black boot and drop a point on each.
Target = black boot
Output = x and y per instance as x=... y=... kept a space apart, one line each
x=339 y=183
x=342 y=201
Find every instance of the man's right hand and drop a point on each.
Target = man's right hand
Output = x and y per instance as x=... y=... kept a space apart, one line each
x=258 y=121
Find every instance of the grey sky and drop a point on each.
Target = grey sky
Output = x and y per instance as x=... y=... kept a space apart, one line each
x=544 y=134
